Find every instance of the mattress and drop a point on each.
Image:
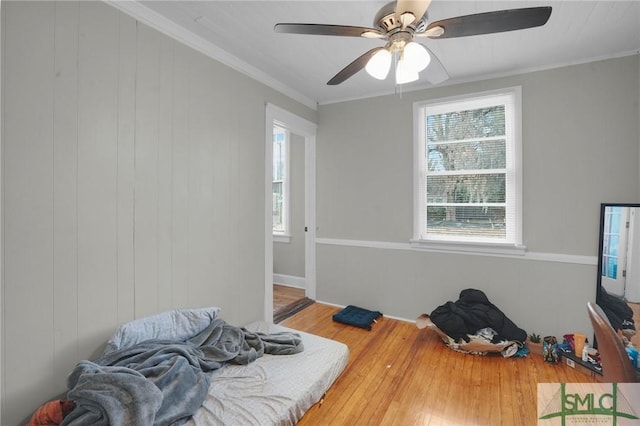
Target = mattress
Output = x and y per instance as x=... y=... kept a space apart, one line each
x=274 y=389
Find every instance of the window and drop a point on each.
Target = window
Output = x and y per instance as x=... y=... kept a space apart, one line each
x=468 y=186
x=280 y=184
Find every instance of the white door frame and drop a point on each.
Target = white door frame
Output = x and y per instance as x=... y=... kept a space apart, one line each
x=1 y=221
x=632 y=283
x=299 y=126
x=616 y=286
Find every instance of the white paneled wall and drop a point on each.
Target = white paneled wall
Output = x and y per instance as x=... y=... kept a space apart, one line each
x=133 y=173
x=97 y=171
x=28 y=311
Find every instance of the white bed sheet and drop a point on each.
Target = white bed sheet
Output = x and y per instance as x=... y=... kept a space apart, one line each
x=275 y=389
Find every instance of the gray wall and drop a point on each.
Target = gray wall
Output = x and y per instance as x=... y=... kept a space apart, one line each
x=288 y=258
x=133 y=180
x=580 y=148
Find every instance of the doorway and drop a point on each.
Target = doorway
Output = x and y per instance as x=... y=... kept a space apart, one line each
x=620 y=274
x=305 y=131
x=288 y=201
x=615 y=250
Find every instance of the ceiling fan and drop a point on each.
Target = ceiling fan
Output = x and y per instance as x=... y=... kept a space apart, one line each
x=400 y=21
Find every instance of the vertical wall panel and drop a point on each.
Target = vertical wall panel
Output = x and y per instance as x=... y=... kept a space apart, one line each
x=180 y=184
x=65 y=168
x=97 y=174
x=126 y=164
x=236 y=250
x=222 y=184
x=28 y=204
x=165 y=173
x=146 y=172
x=133 y=183
x=247 y=170
x=202 y=134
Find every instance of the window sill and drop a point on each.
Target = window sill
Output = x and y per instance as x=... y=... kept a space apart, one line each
x=469 y=247
x=281 y=238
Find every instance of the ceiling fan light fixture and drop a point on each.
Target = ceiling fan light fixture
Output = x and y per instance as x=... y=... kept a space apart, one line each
x=399 y=21
x=379 y=64
x=416 y=56
x=405 y=73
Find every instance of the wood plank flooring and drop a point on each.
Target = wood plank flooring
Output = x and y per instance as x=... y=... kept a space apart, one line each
x=284 y=295
x=635 y=307
x=400 y=375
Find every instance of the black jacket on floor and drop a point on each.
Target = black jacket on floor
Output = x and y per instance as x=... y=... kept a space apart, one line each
x=620 y=315
x=473 y=312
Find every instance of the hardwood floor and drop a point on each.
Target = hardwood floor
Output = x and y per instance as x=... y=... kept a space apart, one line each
x=400 y=375
x=635 y=339
x=284 y=295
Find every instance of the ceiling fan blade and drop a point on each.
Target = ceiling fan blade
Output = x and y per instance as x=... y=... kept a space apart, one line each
x=332 y=30
x=353 y=67
x=492 y=22
x=409 y=11
x=435 y=73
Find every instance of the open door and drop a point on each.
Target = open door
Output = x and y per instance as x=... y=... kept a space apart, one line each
x=278 y=117
x=614 y=250
x=288 y=202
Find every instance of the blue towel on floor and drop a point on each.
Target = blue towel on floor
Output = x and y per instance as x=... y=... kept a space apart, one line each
x=358 y=317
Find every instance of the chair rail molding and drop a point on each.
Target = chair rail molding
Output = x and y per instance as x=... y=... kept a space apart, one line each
x=535 y=256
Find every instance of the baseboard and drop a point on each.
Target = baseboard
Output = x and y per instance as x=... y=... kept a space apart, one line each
x=290 y=281
x=388 y=316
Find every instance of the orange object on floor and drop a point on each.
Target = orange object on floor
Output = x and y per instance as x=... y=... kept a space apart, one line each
x=51 y=413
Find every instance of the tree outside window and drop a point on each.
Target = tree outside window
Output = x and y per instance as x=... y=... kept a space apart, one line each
x=468 y=183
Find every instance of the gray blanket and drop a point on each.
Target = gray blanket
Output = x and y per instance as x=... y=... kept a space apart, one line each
x=163 y=382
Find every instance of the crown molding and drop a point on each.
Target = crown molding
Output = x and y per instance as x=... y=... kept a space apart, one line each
x=158 y=22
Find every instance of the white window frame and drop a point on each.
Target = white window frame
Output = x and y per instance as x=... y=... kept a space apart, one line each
x=512 y=245
x=284 y=236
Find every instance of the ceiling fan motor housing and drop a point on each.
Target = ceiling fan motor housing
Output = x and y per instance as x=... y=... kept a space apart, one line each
x=386 y=20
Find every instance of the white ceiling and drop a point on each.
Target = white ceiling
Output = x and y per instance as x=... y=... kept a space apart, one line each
x=240 y=33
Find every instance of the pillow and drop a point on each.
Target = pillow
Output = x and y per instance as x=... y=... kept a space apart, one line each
x=358 y=317
x=178 y=324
